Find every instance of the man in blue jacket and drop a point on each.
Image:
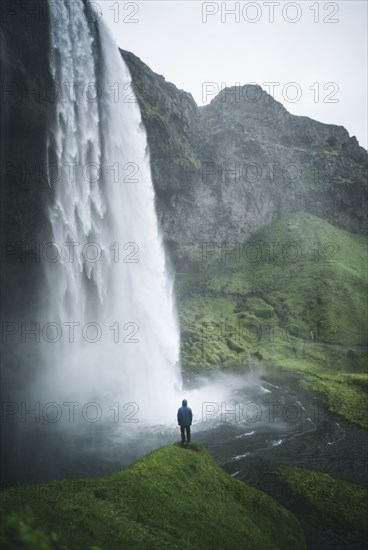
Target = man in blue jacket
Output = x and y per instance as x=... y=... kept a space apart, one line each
x=185 y=420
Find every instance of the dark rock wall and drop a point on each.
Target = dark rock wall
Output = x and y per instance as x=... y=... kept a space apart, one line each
x=220 y=172
x=24 y=191
x=224 y=170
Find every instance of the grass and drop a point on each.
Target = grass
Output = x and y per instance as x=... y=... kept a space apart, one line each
x=330 y=502
x=172 y=498
x=293 y=296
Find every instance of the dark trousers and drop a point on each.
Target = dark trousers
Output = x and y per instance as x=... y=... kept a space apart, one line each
x=184 y=429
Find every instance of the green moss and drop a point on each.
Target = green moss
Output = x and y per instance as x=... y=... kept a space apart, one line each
x=234 y=346
x=19 y=531
x=164 y=138
x=331 y=502
x=294 y=297
x=345 y=395
x=173 y=498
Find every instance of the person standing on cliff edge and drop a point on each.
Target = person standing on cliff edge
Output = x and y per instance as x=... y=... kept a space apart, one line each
x=185 y=420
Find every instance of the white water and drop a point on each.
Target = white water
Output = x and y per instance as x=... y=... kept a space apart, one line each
x=90 y=206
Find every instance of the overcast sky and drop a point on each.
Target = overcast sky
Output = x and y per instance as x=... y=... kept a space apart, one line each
x=324 y=48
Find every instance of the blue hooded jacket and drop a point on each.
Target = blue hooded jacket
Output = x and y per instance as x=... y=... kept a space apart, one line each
x=185 y=414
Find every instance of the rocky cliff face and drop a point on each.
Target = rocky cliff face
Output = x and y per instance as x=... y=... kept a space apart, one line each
x=224 y=170
x=220 y=172
x=170 y=118
x=24 y=109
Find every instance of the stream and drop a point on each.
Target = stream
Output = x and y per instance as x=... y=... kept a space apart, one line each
x=248 y=423
x=244 y=421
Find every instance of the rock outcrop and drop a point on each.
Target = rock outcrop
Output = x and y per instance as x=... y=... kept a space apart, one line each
x=225 y=170
x=220 y=172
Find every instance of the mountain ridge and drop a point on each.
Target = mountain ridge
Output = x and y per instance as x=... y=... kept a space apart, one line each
x=195 y=152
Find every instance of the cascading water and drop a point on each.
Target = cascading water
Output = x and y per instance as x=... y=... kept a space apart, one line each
x=109 y=291
x=109 y=295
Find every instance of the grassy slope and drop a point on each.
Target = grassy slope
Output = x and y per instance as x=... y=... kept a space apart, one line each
x=300 y=314
x=319 y=498
x=172 y=498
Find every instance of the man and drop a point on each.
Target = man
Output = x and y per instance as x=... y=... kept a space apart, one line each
x=185 y=420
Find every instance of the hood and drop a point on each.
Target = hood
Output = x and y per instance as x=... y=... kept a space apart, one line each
x=184 y=402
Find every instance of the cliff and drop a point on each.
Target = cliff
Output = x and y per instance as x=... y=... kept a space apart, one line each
x=24 y=189
x=225 y=170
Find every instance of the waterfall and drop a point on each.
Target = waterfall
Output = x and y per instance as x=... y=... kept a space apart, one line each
x=109 y=316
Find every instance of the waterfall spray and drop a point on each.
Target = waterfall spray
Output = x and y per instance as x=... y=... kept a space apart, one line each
x=109 y=291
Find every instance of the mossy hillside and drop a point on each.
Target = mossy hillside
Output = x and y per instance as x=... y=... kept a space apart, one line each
x=319 y=298
x=172 y=498
x=294 y=297
x=318 y=497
